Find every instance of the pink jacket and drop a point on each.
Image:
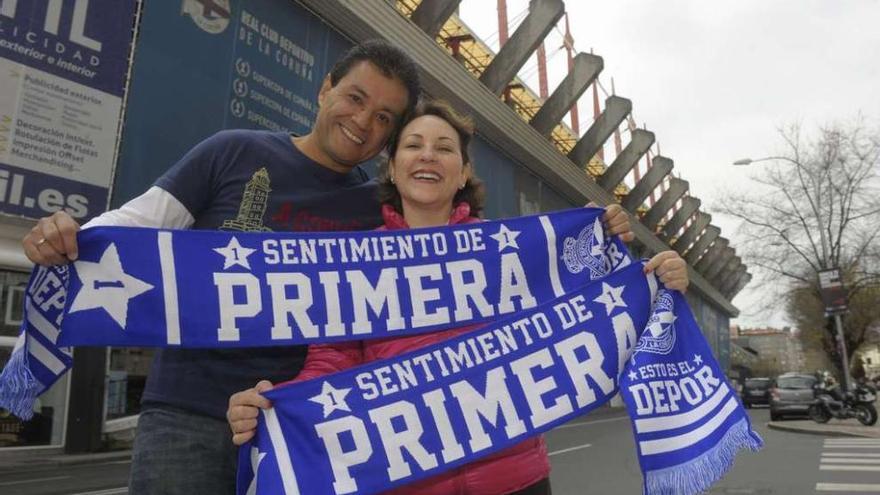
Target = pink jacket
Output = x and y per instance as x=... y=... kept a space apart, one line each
x=504 y=472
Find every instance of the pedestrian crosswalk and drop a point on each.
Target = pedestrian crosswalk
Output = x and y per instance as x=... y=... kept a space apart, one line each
x=857 y=456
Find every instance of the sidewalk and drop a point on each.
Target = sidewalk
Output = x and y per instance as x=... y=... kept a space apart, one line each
x=35 y=460
x=833 y=428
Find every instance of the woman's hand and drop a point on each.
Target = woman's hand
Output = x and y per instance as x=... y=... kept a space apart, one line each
x=616 y=221
x=244 y=407
x=671 y=270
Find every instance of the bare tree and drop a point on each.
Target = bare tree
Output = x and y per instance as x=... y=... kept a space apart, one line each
x=816 y=206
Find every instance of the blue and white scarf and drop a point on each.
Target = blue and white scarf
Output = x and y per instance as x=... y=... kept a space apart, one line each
x=149 y=287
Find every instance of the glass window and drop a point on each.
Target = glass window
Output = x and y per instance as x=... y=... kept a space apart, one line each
x=126 y=380
x=499 y=176
x=50 y=410
x=795 y=382
x=12 y=286
x=528 y=188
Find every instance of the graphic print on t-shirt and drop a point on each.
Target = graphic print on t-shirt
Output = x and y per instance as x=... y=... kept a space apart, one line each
x=253 y=205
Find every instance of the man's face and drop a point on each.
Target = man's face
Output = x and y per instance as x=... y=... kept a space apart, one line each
x=356 y=117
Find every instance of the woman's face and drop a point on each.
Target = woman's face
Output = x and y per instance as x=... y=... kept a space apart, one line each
x=428 y=168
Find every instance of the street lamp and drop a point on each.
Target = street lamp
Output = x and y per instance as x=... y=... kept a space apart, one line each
x=749 y=161
x=825 y=248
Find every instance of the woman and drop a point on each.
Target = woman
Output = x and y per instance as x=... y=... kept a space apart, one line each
x=429 y=181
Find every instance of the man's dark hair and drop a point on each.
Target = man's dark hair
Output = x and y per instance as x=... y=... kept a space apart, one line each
x=389 y=59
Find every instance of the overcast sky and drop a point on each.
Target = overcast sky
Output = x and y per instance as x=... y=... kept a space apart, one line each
x=714 y=79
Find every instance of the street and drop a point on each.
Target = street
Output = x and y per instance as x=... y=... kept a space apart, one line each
x=790 y=463
x=593 y=455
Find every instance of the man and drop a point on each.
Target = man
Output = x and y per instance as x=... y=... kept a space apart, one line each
x=254 y=181
x=258 y=181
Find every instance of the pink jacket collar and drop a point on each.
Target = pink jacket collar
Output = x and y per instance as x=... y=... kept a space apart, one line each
x=394 y=220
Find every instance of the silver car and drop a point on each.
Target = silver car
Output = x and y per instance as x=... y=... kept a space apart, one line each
x=791 y=394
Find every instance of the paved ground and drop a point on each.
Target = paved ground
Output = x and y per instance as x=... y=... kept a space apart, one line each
x=35 y=460
x=106 y=473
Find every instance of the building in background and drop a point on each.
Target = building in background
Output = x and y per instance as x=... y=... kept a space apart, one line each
x=778 y=350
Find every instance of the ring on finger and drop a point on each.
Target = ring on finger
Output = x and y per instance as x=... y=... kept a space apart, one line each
x=40 y=242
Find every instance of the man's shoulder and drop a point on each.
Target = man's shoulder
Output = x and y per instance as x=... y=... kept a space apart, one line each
x=245 y=136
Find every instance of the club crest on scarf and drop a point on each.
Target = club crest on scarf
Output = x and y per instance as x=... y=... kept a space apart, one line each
x=660 y=335
x=587 y=251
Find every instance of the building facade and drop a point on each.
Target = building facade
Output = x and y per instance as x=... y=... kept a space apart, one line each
x=778 y=350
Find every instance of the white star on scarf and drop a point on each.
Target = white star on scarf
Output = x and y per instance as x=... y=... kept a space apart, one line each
x=612 y=297
x=633 y=376
x=332 y=398
x=106 y=285
x=235 y=254
x=698 y=360
x=256 y=459
x=506 y=238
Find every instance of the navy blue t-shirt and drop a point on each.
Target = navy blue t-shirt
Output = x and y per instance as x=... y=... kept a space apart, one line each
x=245 y=180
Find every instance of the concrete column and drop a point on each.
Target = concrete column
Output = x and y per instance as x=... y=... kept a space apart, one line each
x=709 y=235
x=85 y=411
x=543 y=15
x=740 y=285
x=431 y=15
x=624 y=162
x=679 y=218
x=726 y=255
x=660 y=168
x=712 y=255
x=616 y=109
x=585 y=70
x=676 y=190
x=729 y=283
x=723 y=276
x=690 y=234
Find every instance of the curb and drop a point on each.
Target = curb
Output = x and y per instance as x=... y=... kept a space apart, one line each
x=820 y=430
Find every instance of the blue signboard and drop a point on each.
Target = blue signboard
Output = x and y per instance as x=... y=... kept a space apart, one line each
x=205 y=65
x=63 y=67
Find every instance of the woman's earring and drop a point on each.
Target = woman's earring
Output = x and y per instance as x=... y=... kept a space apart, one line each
x=392 y=179
x=462 y=185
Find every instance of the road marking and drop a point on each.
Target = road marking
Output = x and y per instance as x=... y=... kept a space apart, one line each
x=852 y=446
x=826 y=467
x=35 y=480
x=851 y=460
x=848 y=487
x=848 y=454
x=570 y=449
x=837 y=441
x=588 y=423
x=109 y=491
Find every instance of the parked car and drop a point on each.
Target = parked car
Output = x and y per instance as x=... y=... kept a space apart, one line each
x=791 y=394
x=756 y=391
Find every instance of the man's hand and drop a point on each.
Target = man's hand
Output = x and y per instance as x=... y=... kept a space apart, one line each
x=244 y=407
x=616 y=221
x=52 y=241
x=671 y=270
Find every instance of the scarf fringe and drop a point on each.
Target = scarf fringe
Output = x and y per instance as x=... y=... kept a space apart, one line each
x=18 y=386
x=698 y=475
